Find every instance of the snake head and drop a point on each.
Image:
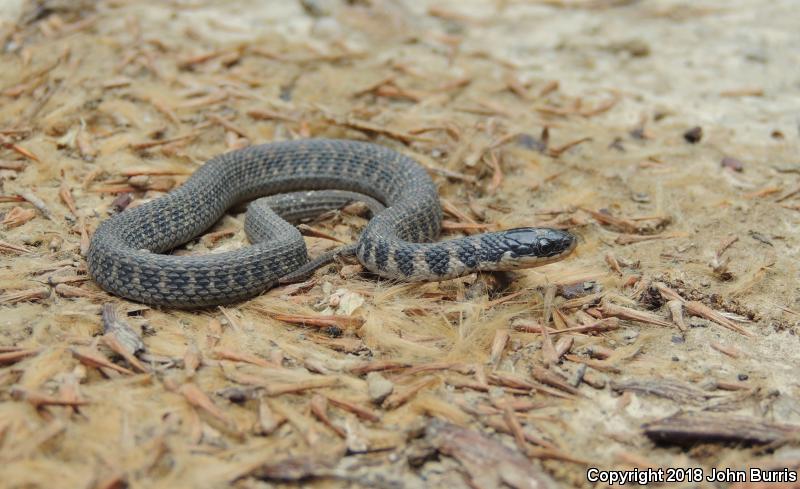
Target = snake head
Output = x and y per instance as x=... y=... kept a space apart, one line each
x=531 y=247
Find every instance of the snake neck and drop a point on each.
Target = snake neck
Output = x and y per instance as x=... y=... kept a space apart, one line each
x=391 y=257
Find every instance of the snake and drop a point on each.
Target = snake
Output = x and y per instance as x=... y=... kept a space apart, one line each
x=286 y=182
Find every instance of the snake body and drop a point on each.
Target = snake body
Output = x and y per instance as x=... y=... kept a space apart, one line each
x=125 y=255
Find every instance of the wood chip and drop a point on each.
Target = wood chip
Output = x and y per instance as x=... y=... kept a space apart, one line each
x=9 y=357
x=197 y=398
x=223 y=354
x=161 y=142
x=516 y=382
x=114 y=343
x=375 y=129
x=34 y=200
x=192 y=359
x=319 y=408
x=501 y=338
x=24 y=152
x=344 y=322
x=676 y=311
x=27 y=295
x=277 y=389
x=268 y=420
x=38 y=399
x=675 y=390
x=699 y=309
x=622 y=312
x=12 y=165
x=731 y=351
x=626 y=239
x=377 y=366
x=17 y=217
x=94 y=358
x=265 y=114
x=66 y=197
x=402 y=395
x=487 y=462
x=70 y=291
x=360 y=411
x=114 y=326
x=595 y=364
x=554 y=380
x=692 y=427
x=300 y=468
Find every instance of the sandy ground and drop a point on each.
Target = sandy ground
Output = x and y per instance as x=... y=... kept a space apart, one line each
x=665 y=134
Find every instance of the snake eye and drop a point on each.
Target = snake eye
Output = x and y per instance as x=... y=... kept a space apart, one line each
x=555 y=242
x=549 y=247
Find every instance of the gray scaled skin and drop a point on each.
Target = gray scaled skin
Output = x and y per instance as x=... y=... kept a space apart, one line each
x=126 y=257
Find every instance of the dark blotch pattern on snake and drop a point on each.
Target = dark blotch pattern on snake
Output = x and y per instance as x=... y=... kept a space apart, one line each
x=126 y=252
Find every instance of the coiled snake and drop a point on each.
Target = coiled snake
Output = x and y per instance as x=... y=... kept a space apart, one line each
x=125 y=257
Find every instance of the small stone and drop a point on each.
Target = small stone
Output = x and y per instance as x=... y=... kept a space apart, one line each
x=760 y=237
x=420 y=454
x=327 y=28
x=732 y=164
x=594 y=380
x=693 y=135
x=634 y=47
x=617 y=144
x=121 y=202
x=333 y=331
x=379 y=387
x=638 y=133
x=236 y=395
x=139 y=181
x=318 y=8
x=637 y=48
x=478 y=289
x=630 y=335
x=530 y=142
x=742 y=377
x=696 y=322
x=575 y=375
x=573 y=291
